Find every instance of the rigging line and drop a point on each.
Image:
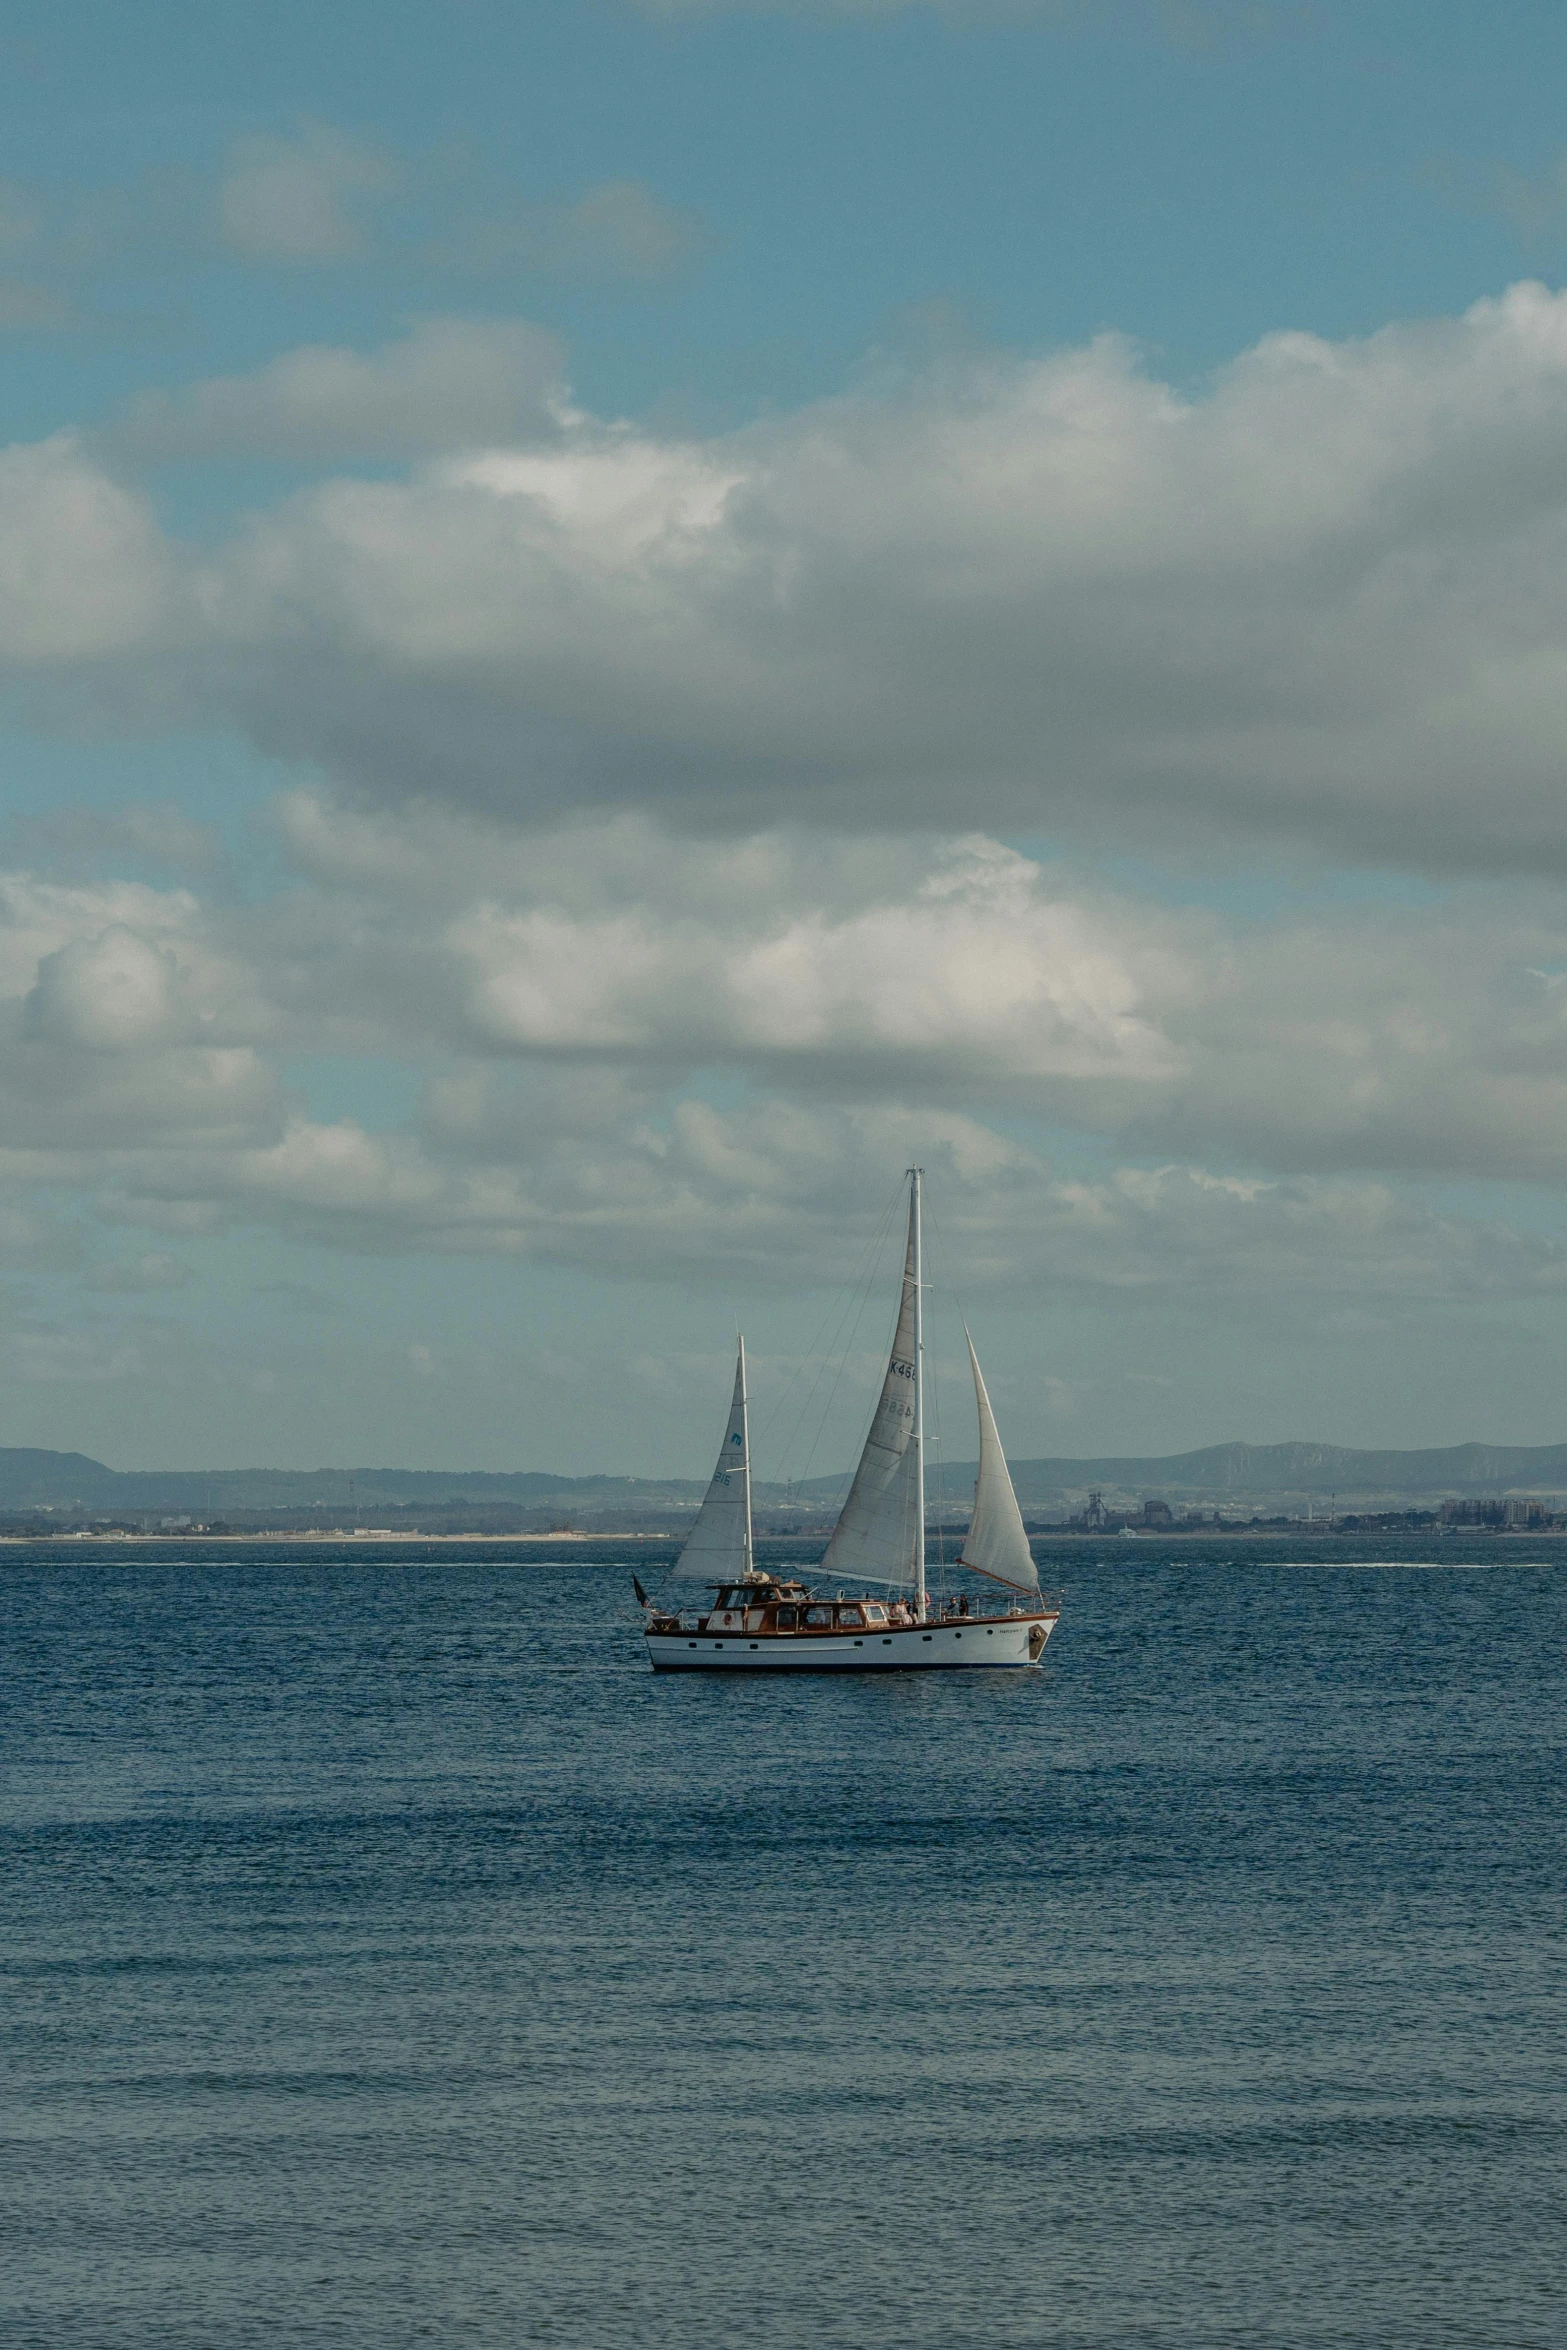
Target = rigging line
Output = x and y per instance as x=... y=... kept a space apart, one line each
x=889 y=1220
x=848 y=1333
x=840 y=1304
x=933 y=1394
x=858 y=1298
x=863 y=1272
x=942 y=1256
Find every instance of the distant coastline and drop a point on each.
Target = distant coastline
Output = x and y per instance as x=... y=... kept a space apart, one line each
x=668 y=1537
x=1295 y=1489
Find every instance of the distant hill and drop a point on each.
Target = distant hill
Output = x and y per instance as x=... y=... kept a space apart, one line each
x=32 y=1479
x=1321 y=1469
x=1258 y=1471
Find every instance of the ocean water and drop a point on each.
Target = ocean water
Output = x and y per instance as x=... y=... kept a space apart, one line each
x=389 y=1959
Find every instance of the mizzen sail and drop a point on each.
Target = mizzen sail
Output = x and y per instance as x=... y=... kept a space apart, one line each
x=995 y=1544
x=718 y=1547
x=881 y=1527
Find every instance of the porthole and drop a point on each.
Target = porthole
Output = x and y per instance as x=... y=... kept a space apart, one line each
x=925 y=1636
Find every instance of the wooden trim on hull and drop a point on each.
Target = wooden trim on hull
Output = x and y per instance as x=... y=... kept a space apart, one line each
x=1010 y=1644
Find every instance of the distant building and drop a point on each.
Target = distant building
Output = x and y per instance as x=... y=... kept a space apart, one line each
x=1519 y=1510
x=1528 y=1510
x=1158 y=1513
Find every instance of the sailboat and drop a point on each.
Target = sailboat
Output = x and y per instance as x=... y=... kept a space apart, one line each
x=758 y=1622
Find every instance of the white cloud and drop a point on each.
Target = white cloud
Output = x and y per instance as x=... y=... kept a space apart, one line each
x=210 y=985
x=84 y=573
x=888 y=1000
x=1420 y=1040
x=780 y=1194
x=448 y=382
x=300 y=199
x=68 y=1118
x=1315 y=603
x=107 y=993
x=121 y=1028
x=978 y=965
x=956 y=975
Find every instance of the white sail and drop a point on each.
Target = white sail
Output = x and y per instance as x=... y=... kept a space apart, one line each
x=718 y=1547
x=881 y=1525
x=995 y=1544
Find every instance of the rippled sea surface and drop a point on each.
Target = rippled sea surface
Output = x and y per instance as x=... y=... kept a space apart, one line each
x=389 y=1958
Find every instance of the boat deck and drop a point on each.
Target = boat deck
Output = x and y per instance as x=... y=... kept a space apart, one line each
x=775 y=1629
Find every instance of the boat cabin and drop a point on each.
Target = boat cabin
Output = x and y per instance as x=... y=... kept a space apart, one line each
x=788 y=1607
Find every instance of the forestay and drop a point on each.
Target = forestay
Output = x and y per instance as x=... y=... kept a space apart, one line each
x=879 y=1526
x=996 y=1544
x=718 y=1549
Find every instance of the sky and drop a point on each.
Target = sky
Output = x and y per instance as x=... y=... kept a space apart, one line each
x=619 y=618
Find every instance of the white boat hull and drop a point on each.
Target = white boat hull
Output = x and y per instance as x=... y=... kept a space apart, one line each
x=974 y=1643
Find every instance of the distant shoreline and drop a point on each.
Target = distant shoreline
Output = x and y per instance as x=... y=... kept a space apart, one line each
x=325 y=1540
x=339 y=1541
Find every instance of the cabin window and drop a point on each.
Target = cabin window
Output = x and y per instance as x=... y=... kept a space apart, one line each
x=875 y=1615
x=851 y=1615
x=786 y=1619
x=818 y=1615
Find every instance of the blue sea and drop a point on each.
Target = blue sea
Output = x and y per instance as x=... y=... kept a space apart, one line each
x=390 y=1959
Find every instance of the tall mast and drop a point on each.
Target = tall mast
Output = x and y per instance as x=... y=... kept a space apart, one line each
x=919 y=1394
x=745 y=1423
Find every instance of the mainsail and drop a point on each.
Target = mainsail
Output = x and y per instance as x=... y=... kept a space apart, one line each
x=881 y=1529
x=996 y=1544
x=718 y=1548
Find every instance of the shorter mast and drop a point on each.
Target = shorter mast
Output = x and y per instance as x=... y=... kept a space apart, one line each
x=917 y=1249
x=745 y=1446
